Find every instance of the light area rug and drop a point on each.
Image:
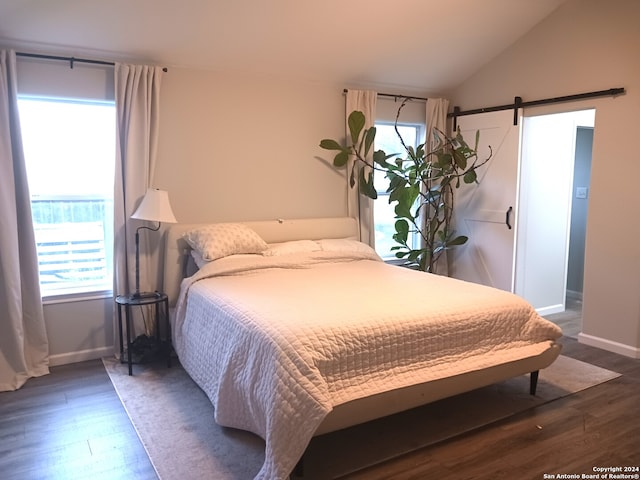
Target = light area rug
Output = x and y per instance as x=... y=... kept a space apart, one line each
x=174 y=420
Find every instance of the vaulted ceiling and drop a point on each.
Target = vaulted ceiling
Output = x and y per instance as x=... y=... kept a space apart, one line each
x=412 y=45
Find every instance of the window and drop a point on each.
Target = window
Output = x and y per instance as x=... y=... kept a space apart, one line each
x=383 y=213
x=69 y=148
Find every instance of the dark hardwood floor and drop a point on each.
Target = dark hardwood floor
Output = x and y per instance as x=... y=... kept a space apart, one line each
x=598 y=427
x=570 y=321
x=71 y=425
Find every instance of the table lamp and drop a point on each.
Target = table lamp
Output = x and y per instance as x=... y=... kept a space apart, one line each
x=155 y=207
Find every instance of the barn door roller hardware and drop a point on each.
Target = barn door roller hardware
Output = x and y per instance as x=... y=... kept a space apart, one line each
x=518 y=103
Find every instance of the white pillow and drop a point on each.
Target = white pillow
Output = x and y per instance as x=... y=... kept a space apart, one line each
x=294 y=246
x=344 y=245
x=223 y=239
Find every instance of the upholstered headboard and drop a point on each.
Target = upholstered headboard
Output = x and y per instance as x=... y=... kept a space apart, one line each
x=176 y=250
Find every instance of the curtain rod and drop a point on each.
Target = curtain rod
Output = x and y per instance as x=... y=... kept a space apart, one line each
x=395 y=96
x=71 y=60
x=518 y=103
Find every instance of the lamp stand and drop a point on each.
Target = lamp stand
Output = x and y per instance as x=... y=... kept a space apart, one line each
x=137 y=293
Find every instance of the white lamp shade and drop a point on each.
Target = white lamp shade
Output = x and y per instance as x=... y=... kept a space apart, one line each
x=155 y=207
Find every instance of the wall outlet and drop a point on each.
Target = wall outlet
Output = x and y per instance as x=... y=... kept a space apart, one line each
x=582 y=192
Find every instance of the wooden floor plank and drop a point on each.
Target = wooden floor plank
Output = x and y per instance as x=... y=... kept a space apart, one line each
x=571 y=435
x=69 y=425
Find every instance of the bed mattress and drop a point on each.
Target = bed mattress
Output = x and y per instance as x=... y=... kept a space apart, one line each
x=277 y=342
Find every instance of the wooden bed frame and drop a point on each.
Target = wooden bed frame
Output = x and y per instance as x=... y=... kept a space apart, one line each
x=376 y=406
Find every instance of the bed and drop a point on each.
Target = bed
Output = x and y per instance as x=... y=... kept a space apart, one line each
x=294 y=329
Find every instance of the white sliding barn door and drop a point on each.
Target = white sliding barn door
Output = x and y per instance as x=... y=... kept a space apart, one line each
x=481 y=209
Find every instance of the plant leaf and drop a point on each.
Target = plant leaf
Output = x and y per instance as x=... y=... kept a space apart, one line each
x=460 y=240
x=329 y=144
x=369 y=139
x=395 y=182
x=470 y=176
x=380 y=157
x=356 y=123
x=341 y=159
x=460 y=158
x=402 y=227
x=413 y=255
x=396 y=193
x=366 y=185
x=402 y=210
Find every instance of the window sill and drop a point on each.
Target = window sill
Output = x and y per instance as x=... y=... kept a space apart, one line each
x=76 y=297
x=394 y=261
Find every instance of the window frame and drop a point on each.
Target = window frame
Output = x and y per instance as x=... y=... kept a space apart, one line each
x=80 y=290
x=383 y=195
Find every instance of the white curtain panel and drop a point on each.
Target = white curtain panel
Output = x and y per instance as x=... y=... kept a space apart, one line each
x=359 y=206
x=437 y=109
x=137 y=92
x=24 y=348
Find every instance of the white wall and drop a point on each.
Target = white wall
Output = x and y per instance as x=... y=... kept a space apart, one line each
x=79 y=330
x=588 y=45
x=246 y=148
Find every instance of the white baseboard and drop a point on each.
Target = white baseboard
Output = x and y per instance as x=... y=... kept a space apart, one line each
x=609 y=345
x=550 y=310
x=81 y=356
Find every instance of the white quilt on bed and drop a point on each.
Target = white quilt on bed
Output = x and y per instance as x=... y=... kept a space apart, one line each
x=324 y=328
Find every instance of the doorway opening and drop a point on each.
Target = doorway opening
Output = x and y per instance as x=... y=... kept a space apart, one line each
x=553 y=204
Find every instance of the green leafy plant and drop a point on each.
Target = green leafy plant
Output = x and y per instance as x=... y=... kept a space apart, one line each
x=421 y=185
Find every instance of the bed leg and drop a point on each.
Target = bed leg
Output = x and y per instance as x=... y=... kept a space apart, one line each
x=533 y=382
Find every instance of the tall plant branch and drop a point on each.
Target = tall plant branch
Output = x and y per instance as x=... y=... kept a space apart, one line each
x=421 y=185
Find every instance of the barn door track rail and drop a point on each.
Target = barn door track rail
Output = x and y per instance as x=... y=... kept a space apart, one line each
x=518 y=103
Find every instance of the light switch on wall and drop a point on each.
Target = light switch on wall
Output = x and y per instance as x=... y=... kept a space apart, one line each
x=582 y=192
